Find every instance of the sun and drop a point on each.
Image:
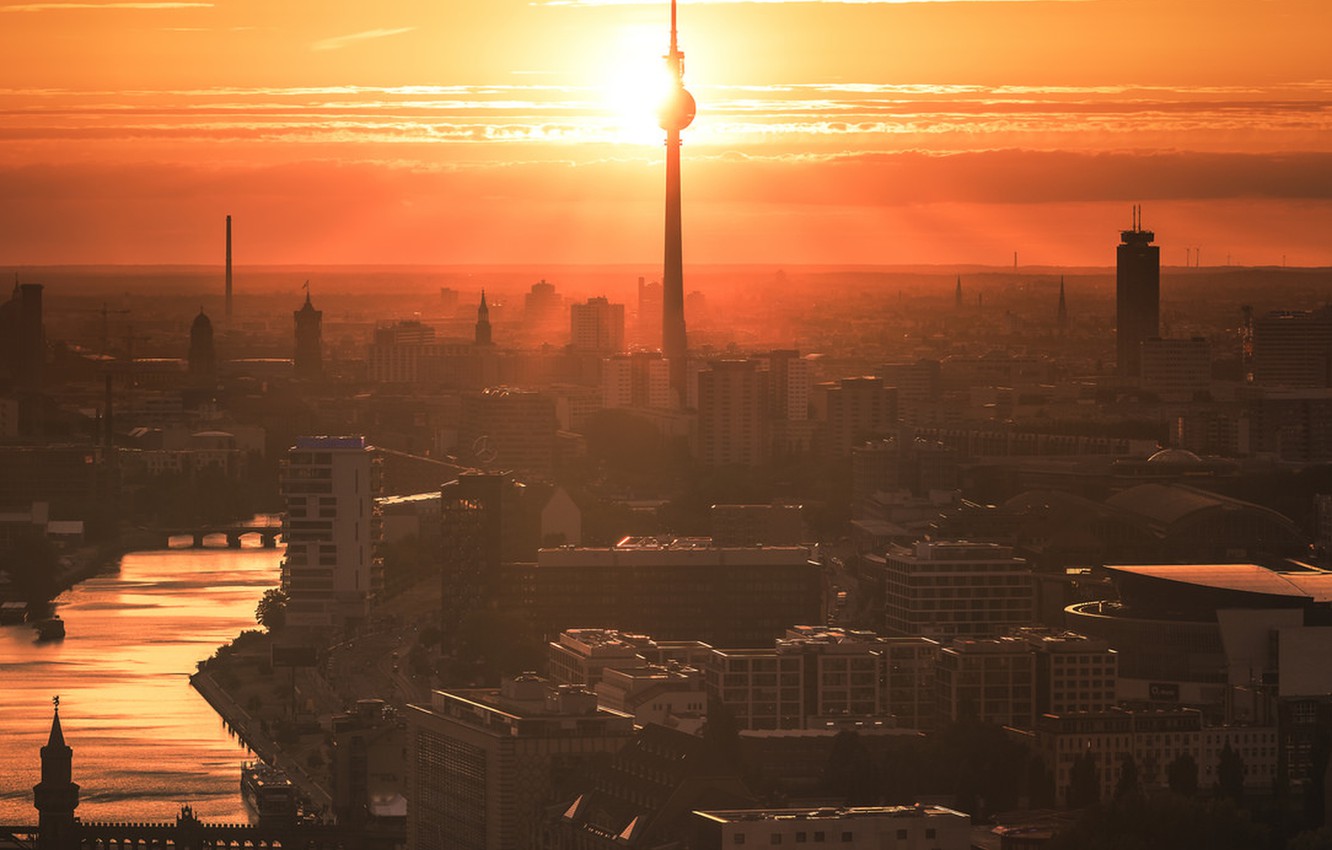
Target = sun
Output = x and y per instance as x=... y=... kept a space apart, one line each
x=634 y=83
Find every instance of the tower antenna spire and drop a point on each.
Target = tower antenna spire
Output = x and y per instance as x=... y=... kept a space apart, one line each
x=674 y=44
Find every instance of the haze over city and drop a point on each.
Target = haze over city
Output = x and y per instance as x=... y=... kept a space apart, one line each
x=523 y=132
x=658 y=425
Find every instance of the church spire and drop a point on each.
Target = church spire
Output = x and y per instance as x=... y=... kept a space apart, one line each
x=483 y=322
x=56 y=796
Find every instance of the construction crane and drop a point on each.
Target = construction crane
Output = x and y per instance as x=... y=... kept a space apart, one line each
x=106 y=312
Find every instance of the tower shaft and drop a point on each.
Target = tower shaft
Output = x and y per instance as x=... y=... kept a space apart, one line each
x=674 y=343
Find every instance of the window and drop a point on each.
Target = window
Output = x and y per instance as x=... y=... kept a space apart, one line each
x=901 y=835
x=775 y=838
x=846 y=838
x=929 y=833
x=800 y=838
x=818 y=836
x=738 y=838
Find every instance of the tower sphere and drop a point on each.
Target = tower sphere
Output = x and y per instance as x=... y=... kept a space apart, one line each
x=677 y=110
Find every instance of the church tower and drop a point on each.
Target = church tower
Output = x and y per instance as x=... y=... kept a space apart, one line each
x=483 y=322
x=56 y=796
x=309 y=359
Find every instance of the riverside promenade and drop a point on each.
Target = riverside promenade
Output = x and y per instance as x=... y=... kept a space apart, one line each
x=250 y=731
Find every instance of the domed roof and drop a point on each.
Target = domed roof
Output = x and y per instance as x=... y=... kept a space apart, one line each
x=201 y=322
x=1175 y=456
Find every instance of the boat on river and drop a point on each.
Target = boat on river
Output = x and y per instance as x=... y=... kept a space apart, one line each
x=268 y=792
x=52 y=628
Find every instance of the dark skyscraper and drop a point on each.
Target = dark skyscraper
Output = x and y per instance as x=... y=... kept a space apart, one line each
x=228 y=269
x=309 y=359
x=483 y=322
x=202 y=356
x=1137 y=294
x=677 y=113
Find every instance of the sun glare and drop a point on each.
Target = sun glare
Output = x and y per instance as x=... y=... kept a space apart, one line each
x=634 y=84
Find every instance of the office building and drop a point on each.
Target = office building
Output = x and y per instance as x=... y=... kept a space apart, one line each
x=23 y=338
x=580 y=656
x=811 y=678
x=486 y=519
x=484 y=764
x=853 y=410
x=331 y=569
x=732 y=414
x=541 y=306
x=990 y=680
x=641 y=379
x=508 y=428
x=671 y=588
x=788 y=385
x=1176 y=369
x=954 y=589
x=1292 y=349
x=202 y=354
x=308 y=361
x=596 y=327
x=648 y=323
x=1073 y=672
x=759 y=525
x=1137 y=295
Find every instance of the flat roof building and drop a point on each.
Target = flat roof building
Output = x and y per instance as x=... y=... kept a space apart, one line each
x=483 y=764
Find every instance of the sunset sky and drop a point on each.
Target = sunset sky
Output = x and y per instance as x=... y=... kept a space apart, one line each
x=511 y=131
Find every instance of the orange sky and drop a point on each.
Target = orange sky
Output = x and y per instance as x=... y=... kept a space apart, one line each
x=511 y=131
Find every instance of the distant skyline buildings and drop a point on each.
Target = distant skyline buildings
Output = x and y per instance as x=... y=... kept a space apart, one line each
x=308 y=361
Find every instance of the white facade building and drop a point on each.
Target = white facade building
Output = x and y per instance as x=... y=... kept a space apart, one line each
x=330 y=569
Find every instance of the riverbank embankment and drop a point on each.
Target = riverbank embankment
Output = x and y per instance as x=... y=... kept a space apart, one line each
x=253 y=733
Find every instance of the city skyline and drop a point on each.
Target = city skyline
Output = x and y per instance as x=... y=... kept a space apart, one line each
x=926 y=132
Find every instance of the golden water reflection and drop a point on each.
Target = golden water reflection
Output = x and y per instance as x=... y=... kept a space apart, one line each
x=144 y=742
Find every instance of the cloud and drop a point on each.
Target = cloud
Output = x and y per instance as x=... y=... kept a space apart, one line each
x=64 y=7
x=340 y=41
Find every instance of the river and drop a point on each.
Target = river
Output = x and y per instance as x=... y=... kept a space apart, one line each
x=144 y=741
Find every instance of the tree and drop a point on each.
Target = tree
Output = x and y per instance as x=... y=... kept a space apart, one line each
x=1230 y=775
x=851 y=772
x=1084 y=782
x=1164 y=822
x=1127 y=786
x=1182 y=774
x=271 y=612
x=1040 y=784
x=32 y=561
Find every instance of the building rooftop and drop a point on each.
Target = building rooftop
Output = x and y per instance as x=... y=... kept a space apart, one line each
x=324 y=442
x=1243 y=578
x=829 y=813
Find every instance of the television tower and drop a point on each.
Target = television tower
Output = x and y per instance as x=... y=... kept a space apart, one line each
x=677 y=113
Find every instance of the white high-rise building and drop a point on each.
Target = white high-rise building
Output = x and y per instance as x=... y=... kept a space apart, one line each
x=597 y=326
x=330 y=570
x=642 y=379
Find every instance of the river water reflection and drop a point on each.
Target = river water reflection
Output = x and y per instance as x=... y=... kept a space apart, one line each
x=144 y=741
